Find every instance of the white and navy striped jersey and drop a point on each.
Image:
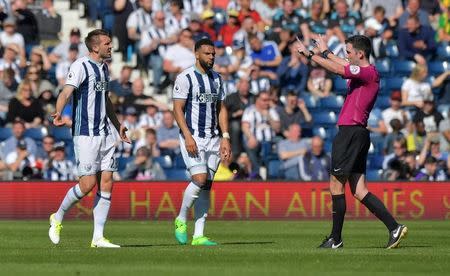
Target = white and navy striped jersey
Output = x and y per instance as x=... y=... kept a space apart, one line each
x=90 y=80
x=202 y=93
x=147 y=121
x=148 y=36
x=60 y=171
x=176 y=26
x=259 y=123
x=259 y=85
x=139 y=19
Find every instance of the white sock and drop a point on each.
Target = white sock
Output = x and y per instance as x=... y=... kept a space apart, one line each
x=101 y=210
x=201 y=208
x=73 y=195
x=189 y=197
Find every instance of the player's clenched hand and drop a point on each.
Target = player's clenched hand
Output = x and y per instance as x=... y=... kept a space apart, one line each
x=191 y=146
x=123 y=134
x=57 y=120
x=225 y=149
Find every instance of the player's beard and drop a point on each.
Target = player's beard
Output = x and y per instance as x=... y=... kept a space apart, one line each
x=206 y=66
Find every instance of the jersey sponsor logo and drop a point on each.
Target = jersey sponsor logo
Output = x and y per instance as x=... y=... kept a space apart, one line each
x=355 y=69
x=101 y=86
x=206 y=98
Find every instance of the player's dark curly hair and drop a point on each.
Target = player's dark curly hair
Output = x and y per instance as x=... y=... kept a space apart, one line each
x=203 y=41
x=361 y=43
x=93 y=38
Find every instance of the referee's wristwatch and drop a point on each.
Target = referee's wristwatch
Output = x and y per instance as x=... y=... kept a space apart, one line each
x=226 y=135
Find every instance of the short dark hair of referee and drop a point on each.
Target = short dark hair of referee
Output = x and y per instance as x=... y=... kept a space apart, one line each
x=352 y=142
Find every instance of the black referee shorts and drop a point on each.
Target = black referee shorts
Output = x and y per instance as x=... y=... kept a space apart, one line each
x=349 y=151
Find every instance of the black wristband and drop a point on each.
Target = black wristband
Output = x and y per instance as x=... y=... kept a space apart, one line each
x=309 y=55
x=326 y=53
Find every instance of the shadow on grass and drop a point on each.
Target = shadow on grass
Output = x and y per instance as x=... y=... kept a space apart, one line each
x=173 y=244
x=399 y=248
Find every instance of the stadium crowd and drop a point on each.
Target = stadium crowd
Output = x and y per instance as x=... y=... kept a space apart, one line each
x=282 y=109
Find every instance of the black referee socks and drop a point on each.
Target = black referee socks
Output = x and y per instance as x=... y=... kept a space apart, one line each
x=379 y=210
x=339 y=209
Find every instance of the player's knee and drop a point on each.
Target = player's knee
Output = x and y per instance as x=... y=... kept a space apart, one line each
x=360 y=194
x=336 y=187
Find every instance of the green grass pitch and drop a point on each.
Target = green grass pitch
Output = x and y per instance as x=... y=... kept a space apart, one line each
x=247 y=248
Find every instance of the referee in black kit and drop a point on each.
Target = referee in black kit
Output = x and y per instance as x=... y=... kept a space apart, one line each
x=351 y=144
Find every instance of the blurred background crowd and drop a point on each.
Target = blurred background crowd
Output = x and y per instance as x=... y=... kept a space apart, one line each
x=282 y=108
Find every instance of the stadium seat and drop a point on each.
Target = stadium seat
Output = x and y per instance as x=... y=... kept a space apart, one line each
x=310 y=102
x=375 y=161
x=274 y=170
x=177 y=174
x=382 y=102
x=403 y=68
x=374 y=175
x=332 y=103
x=340 y=85
x=393 y=83
x=36 y=134
x=122 y=163
x=324 y=118
x=374 y=117
x=443 y=52
x=384 y=67
x=5 y=133
x=392 y=50
x=444 y=109
x=325 y=133
x=62 y=133
x=436 y=68
x=164 y=161
x=178 y=162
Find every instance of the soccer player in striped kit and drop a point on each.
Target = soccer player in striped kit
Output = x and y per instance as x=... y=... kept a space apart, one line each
x=93 y=138
x=199 y=109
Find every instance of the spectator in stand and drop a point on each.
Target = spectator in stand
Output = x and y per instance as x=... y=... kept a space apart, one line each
x=39 y=58
x=319 y=82
x=149 y=141
x=46 y=151
x=431 y=147
x=429 y=115
x=121 y=86
x=38 y=84
x=61 y=51
x=443 y=28
x=416 y=41
x=10 y=35
x=246 y=10
x=130 y=121
x=236 y=104
x=415 y=89
x=168 y=136
x=209 y=26
x=143 y=167
x=223 y=61
x=245 y=170
x=26 y=22
x=7 y=86
x=259 y=80
x=228 y=30
x=137 y=95
x=315 y=163
x=344 y=21
x=49 y=24
x=153 y=47
x=25 y=107
x=265 y=54
x=62 y=67
x=196 y=28
x=398 y=155
x=317 y=23
x=177 y=19
x=287 y=17
x=241 y=37
x=431 y=172
x=122 y=10
x=18 y=130
x=14 y=58
x=285 y=39
x=433 y=8
x=394 y=112
x=395 y=133
x=180 y=55
x=413 y=8
x=21 y=162
x=259 y=125
x=290 y=151
x=416 y=138
x=293 y=72
x=152 y=118
x=58 y=168
x=267 y=10
x=379 y=29
x=293 y=112
x=442 y=84
x=444 y=129
x=394 y=9
x=140 y=20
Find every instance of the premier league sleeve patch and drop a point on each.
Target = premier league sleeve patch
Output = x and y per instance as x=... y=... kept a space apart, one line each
x=355 y=69
x=70 y=75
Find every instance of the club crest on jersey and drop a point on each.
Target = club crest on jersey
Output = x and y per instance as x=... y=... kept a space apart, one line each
x=206 y=98
x=100 y=86
x=354 y=69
